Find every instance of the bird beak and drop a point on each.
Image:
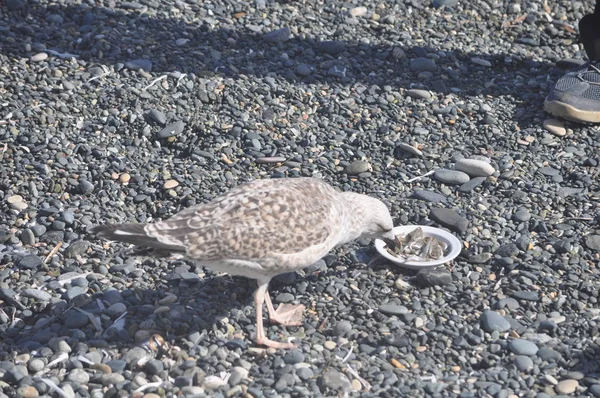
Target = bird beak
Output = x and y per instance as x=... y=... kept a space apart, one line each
x=388 y=235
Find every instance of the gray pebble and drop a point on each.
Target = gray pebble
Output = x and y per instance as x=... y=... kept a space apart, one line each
x=171 y=130
x=333 y=380
x=29 y=262
x=157 y=116
x=522 y=215
x=37 y=294
x=342 y=328
x=418 y=94
x=28 y=237
x=429 y=196
x=422 y=64
x=332 y=47
x=522 y=347
x=293 y=357
x=139 y=64
x=523 y=363
x=358 y=167
x=526 y=295
x=277 y=36
x=452 y=177
x=492 y=321
x=593 y=242
x=393 y=309
x=450 y=219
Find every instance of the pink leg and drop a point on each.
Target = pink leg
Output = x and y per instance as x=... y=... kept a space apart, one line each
x=261 y=338
x=286 y=314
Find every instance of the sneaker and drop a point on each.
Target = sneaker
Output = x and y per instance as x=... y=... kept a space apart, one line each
x=576 y=95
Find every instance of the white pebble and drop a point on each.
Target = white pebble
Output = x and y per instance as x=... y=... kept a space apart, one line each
x=555 y=126
x=39 y=57
x=475 y=167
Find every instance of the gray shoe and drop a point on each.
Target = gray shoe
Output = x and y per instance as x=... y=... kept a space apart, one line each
x=576 y=95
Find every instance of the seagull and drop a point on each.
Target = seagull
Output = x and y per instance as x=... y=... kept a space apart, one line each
x=262 y=229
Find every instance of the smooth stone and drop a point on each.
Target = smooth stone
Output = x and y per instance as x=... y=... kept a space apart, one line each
x=277 y=36
x=303 y=70
x=441 y=3
x=475 y=167
x=14 y=199
x=37 y=294
x=76 y=248
x=481 y=61
x=418 y=93
x=555 y=127
x=595 y=390
x=139 y=64
x=29 y=261
x=170 y=184
x=593 y=242
x=27 y=237
x=523 y=363
x=522 y=347
x=481 y=258
x=450 y=219
x=27 y=392
x=410 y=149
x=453 y=177
x=15 y=5
x=507 y=302
x=116 y=309
x=39 y=57
x=422 y=64
x=522 y=215
x=157 y=116
x=433 y=277
x=393 y=309
x=507 y=250
x=293 y=357
x=334 y=380
x=492 y=321
x=429 y=196
x=471 y=184
x=568 y=386
x=562 y=246
x=270 y=159
x=171 y=129
x=332 y=47
x=549 y=171
x=526 y=295
x=358 y=11
x=342 y=327
x=85 y=187
x=357 y=167
x=76 y=320
x=79 y=376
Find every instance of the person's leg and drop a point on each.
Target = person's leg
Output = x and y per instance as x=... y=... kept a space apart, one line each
x=589 y=31
x=576 y=95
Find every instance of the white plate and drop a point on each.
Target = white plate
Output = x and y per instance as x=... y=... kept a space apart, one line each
x=454 y=246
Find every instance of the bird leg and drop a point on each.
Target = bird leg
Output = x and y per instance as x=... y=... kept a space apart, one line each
x=286 y=314
x=261 y=338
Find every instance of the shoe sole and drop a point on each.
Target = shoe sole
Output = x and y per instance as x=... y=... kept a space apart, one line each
x=566 y=111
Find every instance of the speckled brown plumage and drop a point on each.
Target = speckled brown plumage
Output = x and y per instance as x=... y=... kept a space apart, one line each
x=263 y=228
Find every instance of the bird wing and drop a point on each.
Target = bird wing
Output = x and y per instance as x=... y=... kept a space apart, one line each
x=259 y=220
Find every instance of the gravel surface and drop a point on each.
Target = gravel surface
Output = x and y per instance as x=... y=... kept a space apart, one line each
x=116 y=111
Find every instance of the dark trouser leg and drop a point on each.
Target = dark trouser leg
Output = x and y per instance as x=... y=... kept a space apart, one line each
x=589 y=30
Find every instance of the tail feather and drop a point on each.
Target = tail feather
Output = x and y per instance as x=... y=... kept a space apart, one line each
x=134 y=234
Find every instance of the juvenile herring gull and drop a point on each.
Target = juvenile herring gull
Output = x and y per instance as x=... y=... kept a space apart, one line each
x=262 y=229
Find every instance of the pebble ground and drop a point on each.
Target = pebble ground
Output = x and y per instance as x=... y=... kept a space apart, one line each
x=114 y=111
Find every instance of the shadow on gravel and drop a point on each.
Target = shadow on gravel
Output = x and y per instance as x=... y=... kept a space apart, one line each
x=117 y=36
x=182 y=306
